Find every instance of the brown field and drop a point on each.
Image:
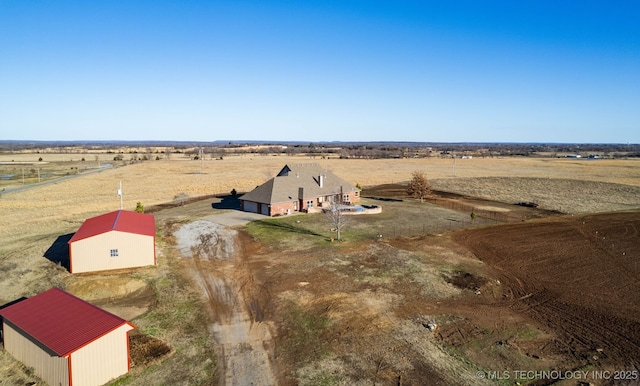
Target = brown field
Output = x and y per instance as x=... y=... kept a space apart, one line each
x=577 y=277
x=325 y=304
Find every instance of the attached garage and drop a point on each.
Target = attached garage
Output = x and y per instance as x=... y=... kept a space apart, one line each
x=66 y=340
x=250 y=206
x=116 y=240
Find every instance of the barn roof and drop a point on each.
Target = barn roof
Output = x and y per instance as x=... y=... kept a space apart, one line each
x=60 y=321
x=120 y=220
x=314 y=180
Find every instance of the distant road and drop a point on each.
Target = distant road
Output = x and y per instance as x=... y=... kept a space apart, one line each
x=55 y=181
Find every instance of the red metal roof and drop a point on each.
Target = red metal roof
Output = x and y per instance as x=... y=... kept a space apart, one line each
x=61 y=321
x=120 y=220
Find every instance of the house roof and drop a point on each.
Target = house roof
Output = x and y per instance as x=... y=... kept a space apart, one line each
x=60 y=321
x=312 y=178
x=120 y=220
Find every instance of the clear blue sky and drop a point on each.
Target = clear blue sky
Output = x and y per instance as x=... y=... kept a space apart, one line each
x=343 y=70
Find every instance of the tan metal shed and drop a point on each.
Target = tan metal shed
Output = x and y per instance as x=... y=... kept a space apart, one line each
x=66 y=340
x=116 y=240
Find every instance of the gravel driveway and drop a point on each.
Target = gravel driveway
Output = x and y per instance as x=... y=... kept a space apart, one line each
x=234 y=218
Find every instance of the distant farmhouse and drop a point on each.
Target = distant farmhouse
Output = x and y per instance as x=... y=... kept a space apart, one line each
x=66 y=340
x=299 y=188
x=116 y=240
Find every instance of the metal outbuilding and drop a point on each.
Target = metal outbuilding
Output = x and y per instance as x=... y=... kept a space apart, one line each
x=66 y=340
x=116 y=240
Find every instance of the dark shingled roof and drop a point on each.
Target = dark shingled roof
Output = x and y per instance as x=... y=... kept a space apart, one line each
x=285 y=186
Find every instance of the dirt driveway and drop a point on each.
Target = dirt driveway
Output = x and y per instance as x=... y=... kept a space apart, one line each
x=216 y=258
x=234 y=218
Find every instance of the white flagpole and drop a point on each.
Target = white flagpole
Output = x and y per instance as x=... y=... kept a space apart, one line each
x=120 y=194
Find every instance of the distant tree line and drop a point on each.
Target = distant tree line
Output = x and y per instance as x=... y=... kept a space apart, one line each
x=363 y=150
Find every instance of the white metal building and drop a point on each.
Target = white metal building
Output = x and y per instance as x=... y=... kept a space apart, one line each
x=116 y=240
x=66 y=340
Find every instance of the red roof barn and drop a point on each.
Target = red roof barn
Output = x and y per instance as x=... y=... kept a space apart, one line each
x=66 y=340
x=116 y=240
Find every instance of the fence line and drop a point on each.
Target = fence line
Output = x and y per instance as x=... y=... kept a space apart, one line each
x=488 y=214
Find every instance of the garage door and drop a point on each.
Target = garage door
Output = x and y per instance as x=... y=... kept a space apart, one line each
x=251 y=207
x=265 y=209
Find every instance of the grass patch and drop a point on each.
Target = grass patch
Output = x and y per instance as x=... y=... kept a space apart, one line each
x=304 y=332
x=180 y=320
x=293 y=232
x=526 y=332
x=398 y=219
x=322 y=378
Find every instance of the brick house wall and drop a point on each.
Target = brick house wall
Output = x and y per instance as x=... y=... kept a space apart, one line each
x=283 y=208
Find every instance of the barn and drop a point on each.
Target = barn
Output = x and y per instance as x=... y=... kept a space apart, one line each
x=66 y=340
x=116 y=240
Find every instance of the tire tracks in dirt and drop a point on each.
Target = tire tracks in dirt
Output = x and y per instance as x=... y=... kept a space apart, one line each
x=219 y=267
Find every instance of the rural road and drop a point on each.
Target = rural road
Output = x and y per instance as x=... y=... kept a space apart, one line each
x=220 y=269
x=55 y=181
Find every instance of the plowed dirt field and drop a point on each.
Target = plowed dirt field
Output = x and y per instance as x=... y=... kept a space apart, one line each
x=578 y=278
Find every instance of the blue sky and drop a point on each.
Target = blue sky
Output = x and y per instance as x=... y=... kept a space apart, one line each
x=347 y=70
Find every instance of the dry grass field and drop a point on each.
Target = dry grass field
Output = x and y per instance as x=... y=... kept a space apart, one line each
x=32 y=219
x=155 y=182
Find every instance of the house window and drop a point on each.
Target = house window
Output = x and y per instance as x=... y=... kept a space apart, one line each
x=113 y=253
x=310 y=204
x=345 y=198
x=356 y=193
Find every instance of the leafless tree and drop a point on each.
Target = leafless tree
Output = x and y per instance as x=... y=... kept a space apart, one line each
x=181 y=198
x=419 y=186
x=336 y=216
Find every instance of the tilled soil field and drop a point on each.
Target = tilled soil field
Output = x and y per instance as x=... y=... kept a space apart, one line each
x=576 y=277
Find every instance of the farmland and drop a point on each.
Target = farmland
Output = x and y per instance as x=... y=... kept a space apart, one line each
x=324 y=303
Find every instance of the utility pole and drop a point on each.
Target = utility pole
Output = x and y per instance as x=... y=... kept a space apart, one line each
x=454 y=163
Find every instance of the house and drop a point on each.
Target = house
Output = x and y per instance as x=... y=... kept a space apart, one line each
x=66 y=340
x=116 y=240
x=299 y=188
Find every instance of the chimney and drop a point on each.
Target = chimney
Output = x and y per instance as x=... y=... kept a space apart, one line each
x=320 y=180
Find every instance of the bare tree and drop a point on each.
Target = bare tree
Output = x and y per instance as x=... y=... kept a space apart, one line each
x=336 y=218
x=181 y=198
x=419 y=186
x=335 y=214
